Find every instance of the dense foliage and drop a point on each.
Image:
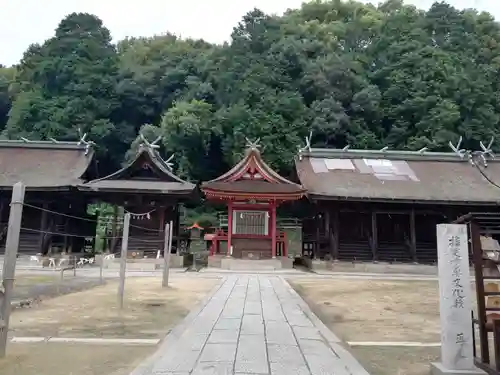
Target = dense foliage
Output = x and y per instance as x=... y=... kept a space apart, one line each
x=352 y=73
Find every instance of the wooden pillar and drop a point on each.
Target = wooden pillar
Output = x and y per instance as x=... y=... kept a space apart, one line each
x=3 y=225
x=113 y=228
x=2 y=207
x=413 y=236
x=177 y=227
x=229 y=227
x=374 y=243
x=43 y=226
x=318 y=236
x=273 y=230
x=328 y=230
x=161 y=220
x=336 y=230
x=66 y=228
x=478 y=262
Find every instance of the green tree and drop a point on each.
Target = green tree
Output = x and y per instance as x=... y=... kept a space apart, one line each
x=155 y=72
x=69 y=84
x=188 y=129
x=353 y=73
x=7 y=76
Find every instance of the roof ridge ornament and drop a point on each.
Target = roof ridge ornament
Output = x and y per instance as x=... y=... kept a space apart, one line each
x=83 y=141
x=461 y=152
x=254 y=145
x=152 y=145
x=307 y=146
x=487 y=150
x=169 y=163
x=475 y=157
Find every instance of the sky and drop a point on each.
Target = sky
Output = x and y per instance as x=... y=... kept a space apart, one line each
x=24 y=22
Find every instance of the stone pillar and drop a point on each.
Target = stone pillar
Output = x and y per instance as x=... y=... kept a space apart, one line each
x=454 y=302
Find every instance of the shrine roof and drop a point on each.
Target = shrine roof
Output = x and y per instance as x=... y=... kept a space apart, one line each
x=147 y=173
x=44 y=165
x=252 y=176
x=254 y=186
x=404 y=176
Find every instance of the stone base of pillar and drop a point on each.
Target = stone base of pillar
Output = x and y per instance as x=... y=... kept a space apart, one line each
x=437 y=368
x=286 y=263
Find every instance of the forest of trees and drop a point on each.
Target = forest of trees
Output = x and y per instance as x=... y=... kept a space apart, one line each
x=351 y=73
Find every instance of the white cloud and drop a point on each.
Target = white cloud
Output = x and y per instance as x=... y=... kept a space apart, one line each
x=24 y=22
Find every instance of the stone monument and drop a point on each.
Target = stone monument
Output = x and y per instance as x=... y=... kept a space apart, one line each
x=455 y=302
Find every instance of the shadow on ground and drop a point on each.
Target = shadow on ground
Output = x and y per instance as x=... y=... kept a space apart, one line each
x=38 y=288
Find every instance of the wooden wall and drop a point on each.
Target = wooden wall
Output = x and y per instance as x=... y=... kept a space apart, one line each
x=364 y=231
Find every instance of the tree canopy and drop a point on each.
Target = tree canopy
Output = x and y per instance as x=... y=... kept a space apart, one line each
x=364 y=75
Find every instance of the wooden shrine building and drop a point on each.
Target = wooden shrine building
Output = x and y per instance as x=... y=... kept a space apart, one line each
x=51 y=172
x=384 y=205
x=148 y=189
x=252 y=190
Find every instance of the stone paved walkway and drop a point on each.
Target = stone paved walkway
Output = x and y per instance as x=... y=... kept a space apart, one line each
x=252 y=325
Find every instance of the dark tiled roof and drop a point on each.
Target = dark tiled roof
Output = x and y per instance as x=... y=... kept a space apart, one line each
x=431 y=177
x=157 y=187
x=121 y=181
x=43 y=164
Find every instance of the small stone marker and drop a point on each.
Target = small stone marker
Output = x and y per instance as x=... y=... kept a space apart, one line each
x=454 y=302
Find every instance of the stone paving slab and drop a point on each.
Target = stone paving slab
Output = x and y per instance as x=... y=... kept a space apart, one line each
x=252 y=325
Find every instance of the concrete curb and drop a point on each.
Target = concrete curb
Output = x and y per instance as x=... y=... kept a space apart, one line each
x=145 y=368
x=354 y=367
x=82 y=340
x=106 y=269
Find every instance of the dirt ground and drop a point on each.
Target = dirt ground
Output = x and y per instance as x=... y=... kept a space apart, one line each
x=64 y=359
x=396 y=360
x=379 y=311
x=40 y=287
x=150 y=312
x=28 y=280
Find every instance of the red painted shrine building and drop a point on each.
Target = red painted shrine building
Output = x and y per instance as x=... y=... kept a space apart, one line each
x=252 y=191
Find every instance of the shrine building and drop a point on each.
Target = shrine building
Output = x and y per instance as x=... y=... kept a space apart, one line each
x=384 y=205
x=252 y=191
x=62 y=180
x=51 y=172
x=147 y=188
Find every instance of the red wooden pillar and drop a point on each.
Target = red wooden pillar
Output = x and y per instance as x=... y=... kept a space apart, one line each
x=273 y=229
x=229 y=226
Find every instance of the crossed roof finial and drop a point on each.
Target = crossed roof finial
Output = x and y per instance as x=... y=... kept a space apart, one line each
x=254 y=145
x=153 y=145
x=169 y=163
x=456 y=149
x=474 y=156
x=83 y=141
x=307 y=147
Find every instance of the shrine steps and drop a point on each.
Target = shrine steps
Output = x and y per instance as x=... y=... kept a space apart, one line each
x=235 y=264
